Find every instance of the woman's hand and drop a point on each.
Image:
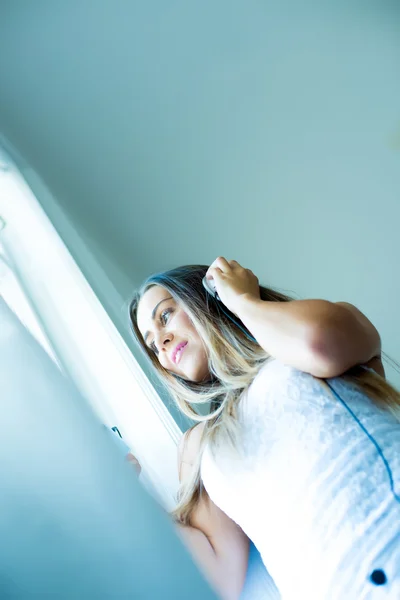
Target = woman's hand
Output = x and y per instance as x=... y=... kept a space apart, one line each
x=233 y=282
x=134 y=462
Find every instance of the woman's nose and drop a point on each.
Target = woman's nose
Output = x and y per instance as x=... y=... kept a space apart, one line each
x=164 y=340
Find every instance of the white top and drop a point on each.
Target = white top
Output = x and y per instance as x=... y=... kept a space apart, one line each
x=312 y=489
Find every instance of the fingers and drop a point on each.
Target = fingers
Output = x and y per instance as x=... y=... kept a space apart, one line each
x=221 y=263
x=234 y=263
x=219 y=266
x=134 y=462
x=214 y=273
x=222 y=266
x=225 y=265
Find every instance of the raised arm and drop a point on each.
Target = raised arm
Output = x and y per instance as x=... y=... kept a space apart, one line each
x=320 y=337
x=316 y=336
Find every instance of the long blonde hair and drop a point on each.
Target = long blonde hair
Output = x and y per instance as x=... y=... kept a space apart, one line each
x=234 y=360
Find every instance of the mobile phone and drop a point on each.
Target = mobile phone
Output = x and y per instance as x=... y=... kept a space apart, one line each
x=209 y=285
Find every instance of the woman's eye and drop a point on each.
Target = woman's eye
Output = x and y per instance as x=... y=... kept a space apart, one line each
x=164 y=316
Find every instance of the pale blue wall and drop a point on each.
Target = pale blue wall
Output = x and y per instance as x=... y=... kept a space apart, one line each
x=172 y=132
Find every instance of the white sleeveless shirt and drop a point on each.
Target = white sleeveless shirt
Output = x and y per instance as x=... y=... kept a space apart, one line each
x=315 y=485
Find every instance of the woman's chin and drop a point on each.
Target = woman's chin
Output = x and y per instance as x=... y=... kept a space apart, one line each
x=203 y=376
x=191 y=373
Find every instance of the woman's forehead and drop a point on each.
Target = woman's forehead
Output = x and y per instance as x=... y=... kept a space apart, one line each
x=147 y=304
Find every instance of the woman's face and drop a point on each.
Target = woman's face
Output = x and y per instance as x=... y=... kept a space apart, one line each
x=170 y=334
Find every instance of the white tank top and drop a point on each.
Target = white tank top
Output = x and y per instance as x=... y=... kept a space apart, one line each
x=316 y=486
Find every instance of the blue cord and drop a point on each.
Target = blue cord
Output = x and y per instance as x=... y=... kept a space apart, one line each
x=370 y=437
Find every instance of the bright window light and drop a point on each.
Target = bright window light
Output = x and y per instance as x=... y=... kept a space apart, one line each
x=12 y=293
x=89 y=347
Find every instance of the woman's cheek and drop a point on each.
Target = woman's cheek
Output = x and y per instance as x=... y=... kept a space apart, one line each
x=163 y=360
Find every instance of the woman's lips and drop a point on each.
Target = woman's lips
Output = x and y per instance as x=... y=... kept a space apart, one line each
x=176 y=357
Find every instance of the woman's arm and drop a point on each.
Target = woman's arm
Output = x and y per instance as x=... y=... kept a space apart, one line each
x=204 y=557
x=319 y=337
x=315 y=336
x=217 y=544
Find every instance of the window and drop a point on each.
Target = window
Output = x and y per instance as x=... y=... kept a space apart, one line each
x=12 y=293
x=74 y=327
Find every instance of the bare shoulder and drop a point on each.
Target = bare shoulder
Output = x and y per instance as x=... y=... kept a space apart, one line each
x=229 y=545
x=191 y=439
x=189 y=448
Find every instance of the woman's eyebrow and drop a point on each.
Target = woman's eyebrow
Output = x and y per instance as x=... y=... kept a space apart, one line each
x=153 y=315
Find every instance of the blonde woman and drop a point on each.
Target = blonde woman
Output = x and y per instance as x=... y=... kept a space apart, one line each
x=302 y=446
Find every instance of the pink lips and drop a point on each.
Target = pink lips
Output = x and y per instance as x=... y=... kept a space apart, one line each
x=177 y=349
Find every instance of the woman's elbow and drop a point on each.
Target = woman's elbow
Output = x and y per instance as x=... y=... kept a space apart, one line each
x=328 y=352
x=343 y=338
x=325 y=367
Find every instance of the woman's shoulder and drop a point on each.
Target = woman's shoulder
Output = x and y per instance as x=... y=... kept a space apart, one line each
x=189 y=448
x=275 y=387
x=273 y=373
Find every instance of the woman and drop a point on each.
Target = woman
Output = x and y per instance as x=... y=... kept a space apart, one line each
x=302 y=450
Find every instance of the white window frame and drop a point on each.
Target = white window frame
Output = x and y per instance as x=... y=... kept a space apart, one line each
x=86 y=341
x=12 y=292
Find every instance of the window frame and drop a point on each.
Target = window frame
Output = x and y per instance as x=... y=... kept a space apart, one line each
x=61 y=297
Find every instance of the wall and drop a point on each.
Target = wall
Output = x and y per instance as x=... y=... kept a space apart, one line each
x=173 y=132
